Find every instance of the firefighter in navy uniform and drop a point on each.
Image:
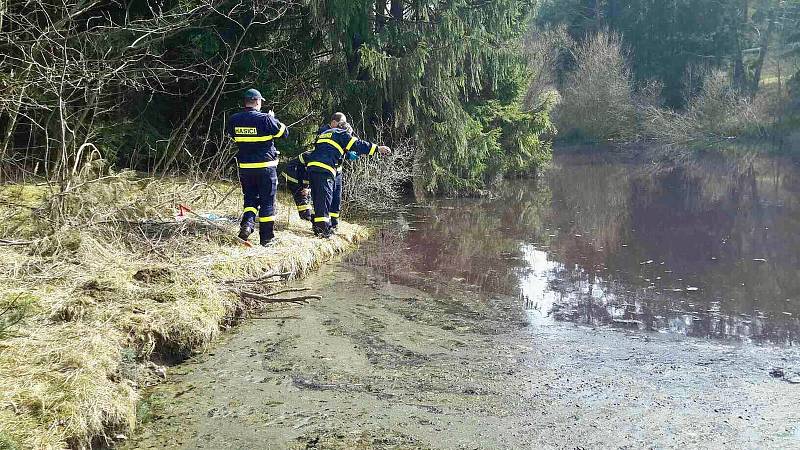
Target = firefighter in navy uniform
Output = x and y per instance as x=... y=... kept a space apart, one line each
x=254 y=132
x=336 y=202
x=323 y=166
x=298 y=184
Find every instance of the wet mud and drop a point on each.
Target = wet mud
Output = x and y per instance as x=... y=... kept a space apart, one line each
x=380 y=365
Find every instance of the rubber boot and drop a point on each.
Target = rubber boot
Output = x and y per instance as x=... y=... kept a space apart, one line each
x=334 y=224
x=266 y=233
x=305 y=215
x=321 y=230
x=246 y=229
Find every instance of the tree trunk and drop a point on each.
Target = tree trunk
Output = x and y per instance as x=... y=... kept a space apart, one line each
x=380 y=15
x=12 y=123
x=396 y=9
x=739 y=75
x=762 y=54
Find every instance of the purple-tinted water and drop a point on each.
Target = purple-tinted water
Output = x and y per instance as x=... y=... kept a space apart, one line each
x=708 y=248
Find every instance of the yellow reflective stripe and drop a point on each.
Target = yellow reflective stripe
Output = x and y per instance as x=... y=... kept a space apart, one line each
x=302 y=159
x=251 y=209
x=333 y=143
x=372 y=150
x=303 y=207
x=281 y=131
x=335 y=215
x=321 y=219
x=258 y=165
x=350 y=144
x=252 y=138
x=323 y=165
x=288 y=178
x=306 y=182
x=266 y=219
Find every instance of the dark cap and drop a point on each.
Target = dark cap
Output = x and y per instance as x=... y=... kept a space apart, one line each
x=252 y=94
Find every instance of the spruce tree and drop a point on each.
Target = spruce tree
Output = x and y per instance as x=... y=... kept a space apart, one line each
x=448 y=74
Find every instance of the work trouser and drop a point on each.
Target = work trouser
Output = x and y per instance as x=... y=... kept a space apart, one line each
x=301 y=200
x=259 y=186
x=322 y=186
x=336 y=203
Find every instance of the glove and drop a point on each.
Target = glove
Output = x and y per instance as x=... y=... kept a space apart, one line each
x=352 y=156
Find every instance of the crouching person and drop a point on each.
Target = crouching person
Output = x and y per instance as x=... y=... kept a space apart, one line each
x=324 y=164
x=298 y=184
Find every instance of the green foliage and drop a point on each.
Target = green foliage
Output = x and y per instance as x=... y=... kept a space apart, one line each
x=427 y=69
x=442 y=73
x=521 y=149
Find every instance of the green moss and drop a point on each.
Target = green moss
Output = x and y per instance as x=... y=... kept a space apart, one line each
x=151 y=408
x=18 y=210
x=15 y=309
x=6 y=443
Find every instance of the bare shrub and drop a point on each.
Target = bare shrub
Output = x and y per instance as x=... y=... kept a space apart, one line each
x=598 y=94
x=717 y=113
x=547 y=50
x=374 y=184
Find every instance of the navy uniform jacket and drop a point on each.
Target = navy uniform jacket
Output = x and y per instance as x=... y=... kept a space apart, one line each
x=295 y=171
x=331 y=146
x=254 y=132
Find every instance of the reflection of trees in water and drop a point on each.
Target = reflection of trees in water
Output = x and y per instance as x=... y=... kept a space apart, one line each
x=476 y=241
x=598 y=302
x=733 y=210
x=679 y=216
x=591 y=200
x=386 y=252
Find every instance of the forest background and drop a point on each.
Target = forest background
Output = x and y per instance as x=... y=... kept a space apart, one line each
x=467 y=88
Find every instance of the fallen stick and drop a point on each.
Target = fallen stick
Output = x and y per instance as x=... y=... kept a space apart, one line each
x=225 y=197
x=268 y=276
x=9 y=242
x=266 y=299
x=288 y=290
x=262 y=279
x=274 y=318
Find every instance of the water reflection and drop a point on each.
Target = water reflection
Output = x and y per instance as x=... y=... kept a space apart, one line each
x=708 y=248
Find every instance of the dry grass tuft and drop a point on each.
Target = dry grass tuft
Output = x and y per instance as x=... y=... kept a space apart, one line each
x=115 y=282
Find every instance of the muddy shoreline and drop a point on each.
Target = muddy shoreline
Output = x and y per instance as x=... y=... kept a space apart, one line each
x=607 y=305
x=381 y=365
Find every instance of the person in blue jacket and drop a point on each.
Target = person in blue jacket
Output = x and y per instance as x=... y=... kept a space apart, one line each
x=296 y=180
x=254 y=133
x=324 y=163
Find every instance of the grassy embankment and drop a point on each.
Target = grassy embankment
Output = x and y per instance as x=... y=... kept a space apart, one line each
x=86 y=308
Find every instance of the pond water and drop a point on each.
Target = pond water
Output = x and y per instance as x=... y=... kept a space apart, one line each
x=706 y=248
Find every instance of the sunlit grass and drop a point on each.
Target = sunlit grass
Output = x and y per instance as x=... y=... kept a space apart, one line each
x=119 y=282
